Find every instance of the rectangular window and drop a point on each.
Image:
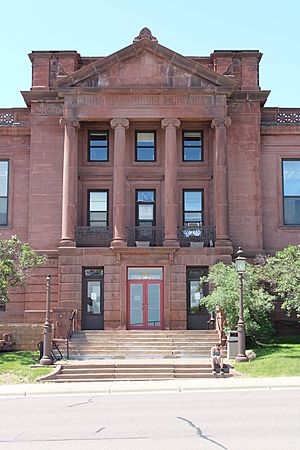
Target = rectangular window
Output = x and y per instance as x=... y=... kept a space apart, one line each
x=145 y=146
x=192 y=145
x=2 y=307
x=192 y=207
x=98 y=146
x=145 y=208
x=291 y=191
x=98 y=208
x=3 y=192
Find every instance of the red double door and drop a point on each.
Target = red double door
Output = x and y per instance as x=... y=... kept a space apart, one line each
x=145 y=304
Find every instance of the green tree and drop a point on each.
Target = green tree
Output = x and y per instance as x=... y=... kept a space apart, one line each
x=258 y=303
x=280 y=276
x=16 y=261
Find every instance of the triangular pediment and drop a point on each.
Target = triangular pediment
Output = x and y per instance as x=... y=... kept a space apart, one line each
x=145 y=63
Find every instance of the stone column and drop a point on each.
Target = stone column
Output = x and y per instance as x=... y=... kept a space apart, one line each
x=171 y=210
x=69 y=193
x=221 y=181
x=119 y=186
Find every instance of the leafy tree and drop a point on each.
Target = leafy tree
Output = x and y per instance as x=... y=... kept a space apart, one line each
x=16 y=261
x=258 y=303
x=280 y=276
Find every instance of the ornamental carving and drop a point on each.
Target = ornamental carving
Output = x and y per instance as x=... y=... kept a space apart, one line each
x=7 y=119
x=219 y=122
x=118 y=123
x=145 y=33
x=170 y=123
x=291 y=117
x=63 y=121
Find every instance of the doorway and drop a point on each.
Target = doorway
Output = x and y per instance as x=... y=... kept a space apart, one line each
x=197 y=314
x=145 y=298
x=92 y=313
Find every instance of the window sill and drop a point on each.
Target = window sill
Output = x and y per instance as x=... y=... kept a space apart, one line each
x=295 y=228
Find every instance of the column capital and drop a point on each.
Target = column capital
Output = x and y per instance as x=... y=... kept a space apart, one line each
x=64 y=121
x=118 y=123
x=165 y=123
x=221 y=122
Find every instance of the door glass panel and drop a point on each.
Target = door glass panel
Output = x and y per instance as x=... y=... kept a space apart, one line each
x=93 y=297
x=196 y=294
x=136 y=305
x=153 y=305
x=145 y=273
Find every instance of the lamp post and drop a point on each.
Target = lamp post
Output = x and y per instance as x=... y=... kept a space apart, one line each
x=47 y=358
x=240 y=263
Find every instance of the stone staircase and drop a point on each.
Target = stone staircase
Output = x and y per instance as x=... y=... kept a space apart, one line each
x=141 y=344
x=137 y=355
x=133 y=370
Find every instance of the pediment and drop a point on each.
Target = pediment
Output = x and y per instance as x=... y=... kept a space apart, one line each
x=145 y=63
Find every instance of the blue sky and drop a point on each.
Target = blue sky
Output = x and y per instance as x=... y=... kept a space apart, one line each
x=98 y=28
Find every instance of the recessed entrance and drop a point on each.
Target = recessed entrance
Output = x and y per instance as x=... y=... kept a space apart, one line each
x=92 y=299
x=145 y=298
x=197 y=314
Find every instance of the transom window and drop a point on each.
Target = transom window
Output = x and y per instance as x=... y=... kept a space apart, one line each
x=192 y=207
x=192 y=145
x=291 y=191
x=145 y=146
x=98 y=146
x=3 y=192
x=98 y=208
x=145 y=208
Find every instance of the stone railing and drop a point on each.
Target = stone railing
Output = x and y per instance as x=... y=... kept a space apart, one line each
x=145 y=236
x=280 y=116
x=14 y=117
x=93 y=236
x=196 y=236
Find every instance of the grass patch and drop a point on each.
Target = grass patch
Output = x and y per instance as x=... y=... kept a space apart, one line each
x=15 y=367
x=277 y=358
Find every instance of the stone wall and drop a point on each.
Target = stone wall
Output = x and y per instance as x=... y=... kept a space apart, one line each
x=26 y=336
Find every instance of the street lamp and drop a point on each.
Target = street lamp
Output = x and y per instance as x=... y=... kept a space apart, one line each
x=47 y=359
x=240 y=264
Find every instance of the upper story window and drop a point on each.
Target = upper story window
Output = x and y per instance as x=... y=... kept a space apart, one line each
x=192 y=207
x=291 y=191
x=192 y=145
x=98 y=146
x=145 y=146
x=3 y=192
x=145 y=208
x=98 y=208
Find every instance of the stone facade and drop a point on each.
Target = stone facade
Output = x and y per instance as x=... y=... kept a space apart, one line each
x=143 y=87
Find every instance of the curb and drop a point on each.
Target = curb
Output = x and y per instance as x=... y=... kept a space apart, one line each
x=174 y=385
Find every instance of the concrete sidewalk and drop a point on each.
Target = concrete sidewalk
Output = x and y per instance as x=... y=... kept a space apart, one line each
x=173 y=385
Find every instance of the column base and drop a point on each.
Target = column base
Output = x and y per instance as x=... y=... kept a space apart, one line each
x=171 y=243
x=67 y=243
x=46 y=361
x=223 y=242
x=118 y=243
x=241 y=358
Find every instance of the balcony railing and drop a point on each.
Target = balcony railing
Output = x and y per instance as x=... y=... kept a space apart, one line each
x=196 y=236
x=93 y=236
x=188 y=236
x=145 y=236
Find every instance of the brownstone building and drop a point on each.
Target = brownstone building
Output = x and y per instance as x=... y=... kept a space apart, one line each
x=137 y=171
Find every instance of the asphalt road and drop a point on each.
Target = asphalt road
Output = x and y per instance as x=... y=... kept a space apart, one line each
x=233 y=420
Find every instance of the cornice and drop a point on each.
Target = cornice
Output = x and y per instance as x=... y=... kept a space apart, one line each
x=250 y=96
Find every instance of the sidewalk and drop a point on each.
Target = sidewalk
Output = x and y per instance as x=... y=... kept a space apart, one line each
x=173 y=385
